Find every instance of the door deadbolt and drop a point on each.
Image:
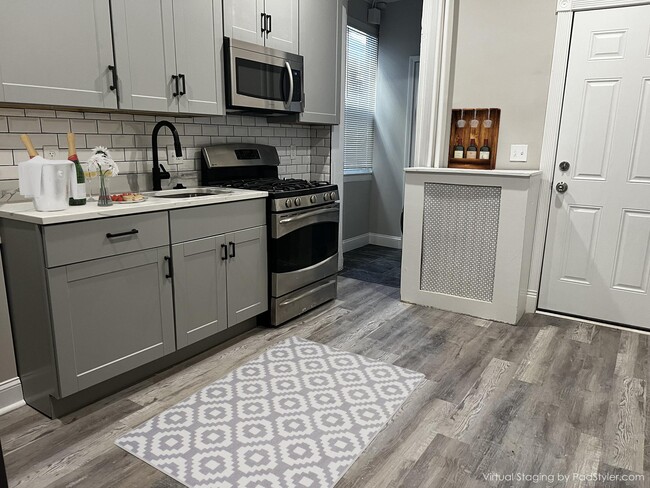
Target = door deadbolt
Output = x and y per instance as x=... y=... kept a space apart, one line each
x=561 y=187
x=564 y=166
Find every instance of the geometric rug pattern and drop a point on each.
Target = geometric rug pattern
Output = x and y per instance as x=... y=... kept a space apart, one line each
x=297 y=416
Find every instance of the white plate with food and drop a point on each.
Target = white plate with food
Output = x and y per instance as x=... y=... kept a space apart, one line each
x=128 y=197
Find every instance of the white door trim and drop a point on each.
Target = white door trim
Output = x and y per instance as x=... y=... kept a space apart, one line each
x=411 y=103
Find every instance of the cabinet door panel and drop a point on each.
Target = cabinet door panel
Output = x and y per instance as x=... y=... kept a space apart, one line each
x=199 y=289
x=42 y=62
x=247 y=274
x=320 y=45
x=198 y=35
x=284 y=24
x=109 y=316
x=242 y=20
x=144 y=54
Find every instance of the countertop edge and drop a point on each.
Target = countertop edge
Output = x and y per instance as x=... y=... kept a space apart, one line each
x=520 y=173
x=24 y=211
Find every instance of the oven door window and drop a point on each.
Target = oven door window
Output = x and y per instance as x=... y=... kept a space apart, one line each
x=304 y=247
x=261 y=80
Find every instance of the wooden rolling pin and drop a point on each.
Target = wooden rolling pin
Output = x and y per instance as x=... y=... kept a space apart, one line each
x=27 y=142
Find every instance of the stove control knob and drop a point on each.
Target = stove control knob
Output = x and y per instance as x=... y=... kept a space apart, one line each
x=297 y=202
x=287 y=203
x=312 y=199
x=332 y=195
x=326 y=196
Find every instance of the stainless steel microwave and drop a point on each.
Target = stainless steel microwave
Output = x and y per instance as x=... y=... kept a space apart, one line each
x=261 y=78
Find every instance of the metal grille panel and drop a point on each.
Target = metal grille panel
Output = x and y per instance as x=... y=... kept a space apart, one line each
x=459 y=240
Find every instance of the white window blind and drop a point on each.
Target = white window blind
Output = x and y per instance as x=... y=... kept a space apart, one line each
x=360 y=90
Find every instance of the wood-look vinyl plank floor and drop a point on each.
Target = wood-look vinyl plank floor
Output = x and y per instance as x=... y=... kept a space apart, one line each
x=545 y=397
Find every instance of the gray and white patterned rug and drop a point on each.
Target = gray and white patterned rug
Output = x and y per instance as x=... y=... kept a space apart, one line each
x=297 y=416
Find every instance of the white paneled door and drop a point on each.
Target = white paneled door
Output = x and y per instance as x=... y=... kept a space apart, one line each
x=597 y=257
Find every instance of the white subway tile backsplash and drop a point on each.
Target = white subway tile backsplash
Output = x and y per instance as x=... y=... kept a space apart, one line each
x=128 y=136
x=6 y=157
x=4 y=127
x=29 y=125
x=65 y=114
x=83 y=126
x=109 y=127
x=8 y=172
x=55 y=125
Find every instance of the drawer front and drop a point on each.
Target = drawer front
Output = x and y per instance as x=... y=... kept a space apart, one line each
x=81 y=241
x=198 y=222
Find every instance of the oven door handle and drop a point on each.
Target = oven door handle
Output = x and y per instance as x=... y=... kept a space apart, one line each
x=306 y=215
x=290 y=72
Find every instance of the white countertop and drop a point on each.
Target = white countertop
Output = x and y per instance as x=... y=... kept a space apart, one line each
x=25 y=211
x=519 y=173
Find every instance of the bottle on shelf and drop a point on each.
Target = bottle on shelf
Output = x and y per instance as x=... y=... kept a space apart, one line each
x=472 y=150
x=78 y=190
x=484 y=152
x=459 y=149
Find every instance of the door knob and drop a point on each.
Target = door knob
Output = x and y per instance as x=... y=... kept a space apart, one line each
x=564 y=166
x=561 y=187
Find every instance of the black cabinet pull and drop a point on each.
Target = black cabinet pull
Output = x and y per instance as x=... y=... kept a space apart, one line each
x=269 y=26
x=224 y=252
x=122 y=234
x=113 y=71
x=263 y=24
x=170 y=273
x=175 y=80
x=183 y=90
x=232 y=249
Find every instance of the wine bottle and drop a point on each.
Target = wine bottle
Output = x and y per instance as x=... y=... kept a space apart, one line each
x=459 y=150
x=472 y=150
x=78 y=196
x=484 y=152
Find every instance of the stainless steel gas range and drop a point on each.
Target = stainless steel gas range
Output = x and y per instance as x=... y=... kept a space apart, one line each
x=302 y=221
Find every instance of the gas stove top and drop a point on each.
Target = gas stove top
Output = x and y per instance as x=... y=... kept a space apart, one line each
x=276 y=186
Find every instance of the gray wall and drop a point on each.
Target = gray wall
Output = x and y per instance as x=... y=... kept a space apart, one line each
x=503 y=59
x=399 y=38
x=356 y=209
x=7 y=362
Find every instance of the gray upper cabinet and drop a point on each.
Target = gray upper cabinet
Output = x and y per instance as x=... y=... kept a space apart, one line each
x=110 y=315
x=320 y=45
x=199 y=289
x=169 y=55
x=56 y=53
x=247 y=274
x=271 y=23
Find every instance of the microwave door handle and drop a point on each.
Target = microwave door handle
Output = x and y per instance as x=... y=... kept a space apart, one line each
x=290 y=96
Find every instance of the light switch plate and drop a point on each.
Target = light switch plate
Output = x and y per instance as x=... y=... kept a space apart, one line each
x=171 y=156
x=519 y=153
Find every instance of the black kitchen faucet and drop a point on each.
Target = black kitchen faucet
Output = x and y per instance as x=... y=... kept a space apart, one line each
x=158 y=172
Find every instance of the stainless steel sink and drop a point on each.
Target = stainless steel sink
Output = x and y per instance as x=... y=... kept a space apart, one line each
x=189 y=193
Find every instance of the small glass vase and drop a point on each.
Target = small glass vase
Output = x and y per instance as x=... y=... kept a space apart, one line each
x=104 y=199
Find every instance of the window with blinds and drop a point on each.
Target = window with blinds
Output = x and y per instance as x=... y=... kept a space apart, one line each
x=360 y=89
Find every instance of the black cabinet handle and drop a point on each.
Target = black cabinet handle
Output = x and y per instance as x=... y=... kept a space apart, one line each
x=224 y=252
x=232 y=249
x=269 y=26
x=170 y=267
x=113 y=71
x=122 y=234
x=175 y=80
x=183 y=90
x=263 y=24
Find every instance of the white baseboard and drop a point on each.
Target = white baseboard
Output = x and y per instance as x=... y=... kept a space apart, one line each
x=387 y=241
x=356 y=242
x=531 y=301
x=11 y=395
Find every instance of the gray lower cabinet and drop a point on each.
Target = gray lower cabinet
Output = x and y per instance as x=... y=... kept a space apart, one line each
x=110 y=315
x=199 y=288
x=247 y=275
x=219 y=282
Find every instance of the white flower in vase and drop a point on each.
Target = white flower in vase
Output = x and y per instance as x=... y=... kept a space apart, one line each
x=102 y=164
